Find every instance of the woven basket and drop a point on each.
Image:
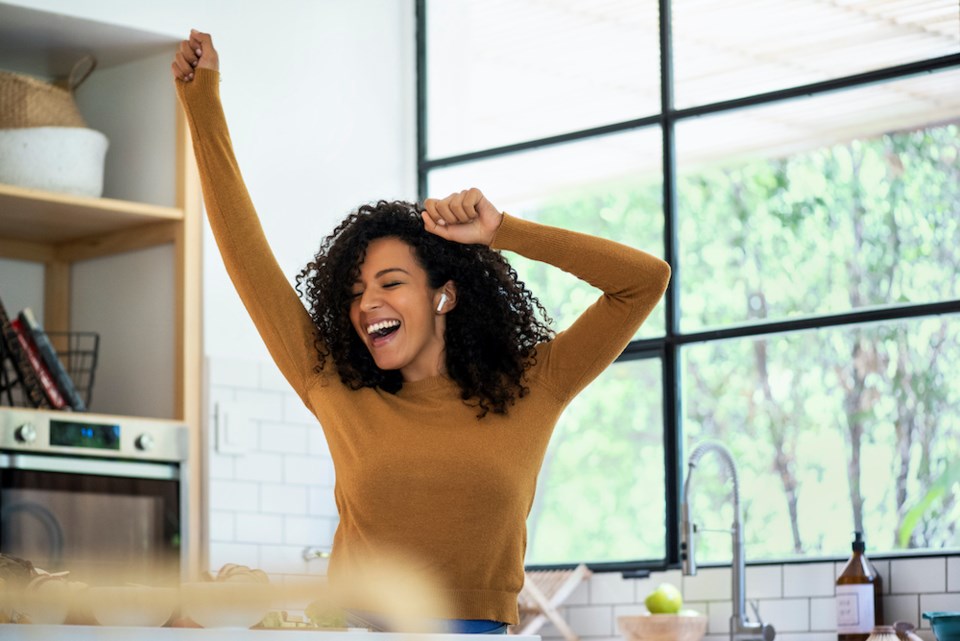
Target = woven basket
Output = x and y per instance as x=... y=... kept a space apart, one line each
x=26 y=101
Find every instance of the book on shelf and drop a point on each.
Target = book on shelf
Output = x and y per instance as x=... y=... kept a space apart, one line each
x=53 y=363
x=50 y=388
x=33 y=389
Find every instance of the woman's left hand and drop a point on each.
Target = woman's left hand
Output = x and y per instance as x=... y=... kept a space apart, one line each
x=466 y=217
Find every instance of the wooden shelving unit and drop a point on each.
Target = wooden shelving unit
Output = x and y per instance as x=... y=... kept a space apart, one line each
x=63 y=232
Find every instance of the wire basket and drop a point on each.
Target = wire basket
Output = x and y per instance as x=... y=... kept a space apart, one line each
x=77 y=351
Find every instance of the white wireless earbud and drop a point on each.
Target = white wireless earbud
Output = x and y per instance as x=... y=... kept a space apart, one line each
x=443 y=300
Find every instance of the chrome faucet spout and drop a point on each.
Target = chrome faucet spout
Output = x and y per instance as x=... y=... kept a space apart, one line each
x=741 y=627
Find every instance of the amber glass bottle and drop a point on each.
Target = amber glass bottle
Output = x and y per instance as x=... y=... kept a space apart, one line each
x=859 y=596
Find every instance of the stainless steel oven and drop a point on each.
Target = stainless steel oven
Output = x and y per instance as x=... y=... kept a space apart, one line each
x=103 y=497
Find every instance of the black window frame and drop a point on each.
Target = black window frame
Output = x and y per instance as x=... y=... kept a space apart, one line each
x=667 y=348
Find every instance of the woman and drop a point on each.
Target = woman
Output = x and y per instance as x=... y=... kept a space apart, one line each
x=436 y=387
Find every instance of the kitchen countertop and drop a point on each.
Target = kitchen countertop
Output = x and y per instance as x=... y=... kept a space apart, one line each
x=11 y=632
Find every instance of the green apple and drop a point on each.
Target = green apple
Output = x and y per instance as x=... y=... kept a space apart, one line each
x=666 y=599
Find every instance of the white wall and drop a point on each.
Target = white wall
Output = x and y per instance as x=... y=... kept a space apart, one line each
x=320 y=97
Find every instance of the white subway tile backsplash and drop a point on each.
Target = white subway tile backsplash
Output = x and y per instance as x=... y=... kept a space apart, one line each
x=221 y=526
x=670 y=576
x=283 y=499
x=286 y=439
x=233 y=373
x=240 y=553
x=283 y=558
x=953 y=574
x=306 y=530
x=918 y=575
x=806 y=636
x=258 y=405
x=317 y=441
x=322 y=502
x=239 y=496
x=718 y=616
x=939 y=603
x=259 y=528
x=579 y=596
x=883 y=569
x=633 y=609
x=901 y=607
x=258 y=466
x=218 y=395
x=591 y=620
x=700 y=607
x=220 y=466
x=271 y=379
x=823 y=614
x=234 y=432
x=787 y=615
x=642 y=588
x=808 y=579
x=764 y=582
x=303 y=470
x=294 y=411
x=611 y=588
x=548 y=630
x=709 y=584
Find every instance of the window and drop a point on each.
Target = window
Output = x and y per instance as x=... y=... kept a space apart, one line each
x=799 y=167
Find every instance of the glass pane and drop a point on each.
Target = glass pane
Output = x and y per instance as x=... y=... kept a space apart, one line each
x=505 y=71
x=820 y=206
x=725 y=50
x=608 y=186
x=834 y=430
x=600 y=495
x=56 y=520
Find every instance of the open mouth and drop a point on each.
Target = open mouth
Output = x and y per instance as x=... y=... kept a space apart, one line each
x=379 y=331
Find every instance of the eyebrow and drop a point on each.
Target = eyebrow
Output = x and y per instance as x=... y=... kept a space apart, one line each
x=386 y=271
x=390 y=269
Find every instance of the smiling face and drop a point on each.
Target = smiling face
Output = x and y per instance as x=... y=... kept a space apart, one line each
x=394 y=311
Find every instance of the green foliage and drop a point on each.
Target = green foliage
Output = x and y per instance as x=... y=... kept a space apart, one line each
x=939 y=490
x=863 y=223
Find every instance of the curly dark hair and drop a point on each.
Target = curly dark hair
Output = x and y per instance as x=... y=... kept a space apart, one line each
x=491 y=334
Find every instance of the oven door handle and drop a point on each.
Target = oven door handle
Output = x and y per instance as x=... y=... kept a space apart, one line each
x=97 y=467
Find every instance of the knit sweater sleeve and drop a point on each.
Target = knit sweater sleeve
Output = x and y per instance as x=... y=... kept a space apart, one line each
x=632 y=282
x=273 y=305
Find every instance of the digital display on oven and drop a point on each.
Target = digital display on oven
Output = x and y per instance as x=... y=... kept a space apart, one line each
x=95 y=435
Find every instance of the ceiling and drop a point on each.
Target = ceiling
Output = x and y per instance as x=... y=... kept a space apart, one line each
x=507 y=71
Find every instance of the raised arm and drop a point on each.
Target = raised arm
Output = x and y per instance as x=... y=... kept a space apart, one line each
x=271 y=301
x=632 y=282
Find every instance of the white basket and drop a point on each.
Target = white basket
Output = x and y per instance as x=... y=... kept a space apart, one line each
x=61 y=159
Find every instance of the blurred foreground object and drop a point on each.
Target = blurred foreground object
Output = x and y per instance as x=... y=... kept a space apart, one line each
x=542 y=593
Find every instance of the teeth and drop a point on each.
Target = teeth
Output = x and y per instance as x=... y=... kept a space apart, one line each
x=382 y=325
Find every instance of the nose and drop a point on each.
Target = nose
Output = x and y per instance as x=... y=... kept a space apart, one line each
x=369 y=300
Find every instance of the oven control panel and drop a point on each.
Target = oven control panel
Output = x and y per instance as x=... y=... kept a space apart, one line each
x=96 y=435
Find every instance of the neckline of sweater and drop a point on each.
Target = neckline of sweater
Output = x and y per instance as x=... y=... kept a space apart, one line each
x=427 y=385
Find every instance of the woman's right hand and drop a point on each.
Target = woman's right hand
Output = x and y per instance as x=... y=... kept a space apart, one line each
x=195 y=52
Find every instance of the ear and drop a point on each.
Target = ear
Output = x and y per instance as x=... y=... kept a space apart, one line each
x=446 y=298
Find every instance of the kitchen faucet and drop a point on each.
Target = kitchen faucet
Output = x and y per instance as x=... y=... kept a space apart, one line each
x=741 y=628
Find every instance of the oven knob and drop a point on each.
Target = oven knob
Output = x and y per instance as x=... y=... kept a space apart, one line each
x=26 y=433
x=144 y=442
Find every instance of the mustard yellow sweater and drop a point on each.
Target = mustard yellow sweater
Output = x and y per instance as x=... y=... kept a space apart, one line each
x=416 y=471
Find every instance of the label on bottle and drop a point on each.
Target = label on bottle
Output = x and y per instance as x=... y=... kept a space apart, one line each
x=855 y=613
